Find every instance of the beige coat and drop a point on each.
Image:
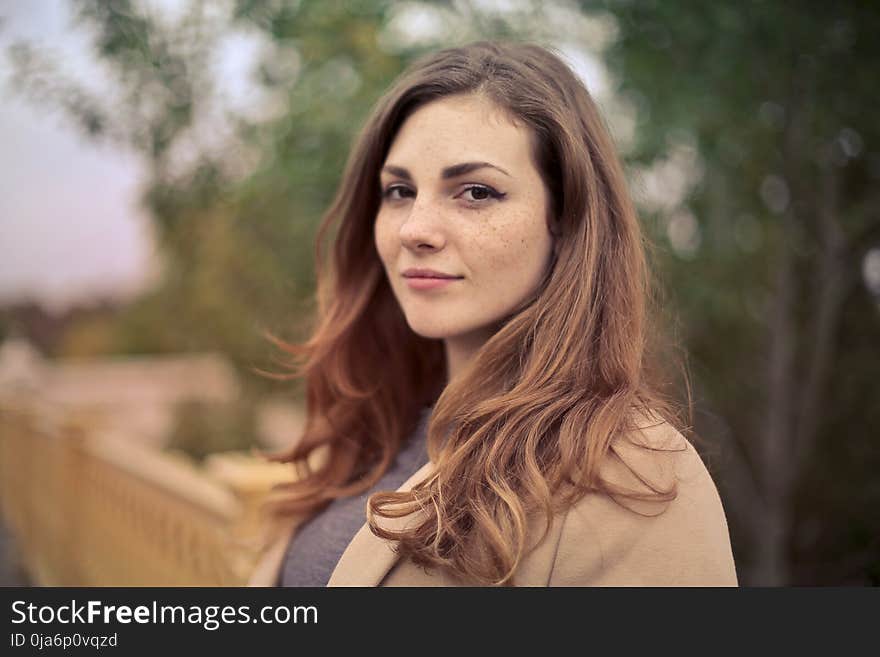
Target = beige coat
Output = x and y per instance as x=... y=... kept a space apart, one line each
x=599 y=541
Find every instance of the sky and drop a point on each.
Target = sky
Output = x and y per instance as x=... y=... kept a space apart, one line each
x=70 y=229
x=70 y=226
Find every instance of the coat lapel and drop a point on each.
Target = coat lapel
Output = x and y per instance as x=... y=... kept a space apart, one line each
x=368 y=558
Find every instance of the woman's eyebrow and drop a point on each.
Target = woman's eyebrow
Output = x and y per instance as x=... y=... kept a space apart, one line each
x=453 y=171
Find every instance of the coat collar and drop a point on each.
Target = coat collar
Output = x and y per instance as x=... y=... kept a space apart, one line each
x=368 y=558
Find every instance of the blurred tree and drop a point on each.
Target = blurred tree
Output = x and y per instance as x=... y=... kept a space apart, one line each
x=778 y=102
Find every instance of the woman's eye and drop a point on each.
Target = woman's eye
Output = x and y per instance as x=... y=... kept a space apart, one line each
x=482 y=193
x=390 y=191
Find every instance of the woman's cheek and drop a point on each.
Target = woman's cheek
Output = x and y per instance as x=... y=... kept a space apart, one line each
x=382 y=234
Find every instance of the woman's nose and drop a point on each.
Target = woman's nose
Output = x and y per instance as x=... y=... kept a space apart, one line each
x=422 y=229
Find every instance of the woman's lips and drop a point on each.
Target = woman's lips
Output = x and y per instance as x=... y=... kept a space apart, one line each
x=428 y=279
x=428 y=283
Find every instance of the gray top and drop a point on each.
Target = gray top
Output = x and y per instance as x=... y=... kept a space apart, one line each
x=318 y=544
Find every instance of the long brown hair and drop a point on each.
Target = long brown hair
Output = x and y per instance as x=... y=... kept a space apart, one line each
x=526 y=426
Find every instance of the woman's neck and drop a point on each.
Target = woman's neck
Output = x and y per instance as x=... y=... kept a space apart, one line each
x=460 y=351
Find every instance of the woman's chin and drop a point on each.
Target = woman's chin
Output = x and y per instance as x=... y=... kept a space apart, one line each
x=429 y=330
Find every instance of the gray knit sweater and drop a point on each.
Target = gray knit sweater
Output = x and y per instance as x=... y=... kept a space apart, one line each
x=319 y=543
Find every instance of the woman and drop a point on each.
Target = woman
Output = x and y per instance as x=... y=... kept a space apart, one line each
x=479 y=380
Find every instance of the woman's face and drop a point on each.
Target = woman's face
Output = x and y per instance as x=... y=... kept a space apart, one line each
x=462 y=226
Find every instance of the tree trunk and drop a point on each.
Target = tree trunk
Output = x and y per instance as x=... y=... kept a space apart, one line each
x=771 y=530
x=771 y=564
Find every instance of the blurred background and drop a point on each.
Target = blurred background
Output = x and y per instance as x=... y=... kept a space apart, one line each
x=164 y=164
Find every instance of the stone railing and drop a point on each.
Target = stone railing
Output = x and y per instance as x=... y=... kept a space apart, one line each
x=96 y=509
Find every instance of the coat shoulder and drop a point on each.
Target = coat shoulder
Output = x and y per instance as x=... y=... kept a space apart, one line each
x=641 y=466
x=663 y=526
